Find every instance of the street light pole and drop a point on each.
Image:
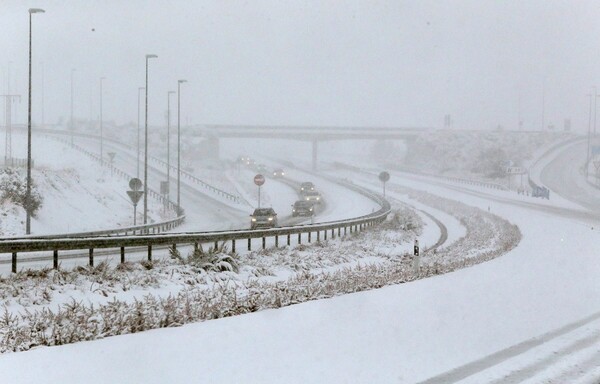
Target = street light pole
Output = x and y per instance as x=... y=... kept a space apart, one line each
x=101 y=126
x=146 y=146
x=140 y=89
x=43 y=121
x=587 y=163
x=28 y=191
x=72 y=127
x=595 y=108
x=179 y=144
x=169 y=142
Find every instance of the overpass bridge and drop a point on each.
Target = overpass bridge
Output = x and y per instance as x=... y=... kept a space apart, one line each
x=313 y=134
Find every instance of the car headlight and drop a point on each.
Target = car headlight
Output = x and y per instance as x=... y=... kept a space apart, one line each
x=270 y=219
x=253 y=219
x=307 y=198
x=311 y=209
x=318 y=198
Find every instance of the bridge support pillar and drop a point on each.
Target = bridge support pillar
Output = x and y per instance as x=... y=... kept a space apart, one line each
x=314 y=154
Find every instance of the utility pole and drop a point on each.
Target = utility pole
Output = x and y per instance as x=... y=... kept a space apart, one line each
x=8 y=99
x=150 y=56
x=140 y=89
x=179 y=82
x=28 y=190
x=169 y=142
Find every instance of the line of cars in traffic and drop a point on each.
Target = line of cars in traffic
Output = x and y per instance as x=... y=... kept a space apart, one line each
x=306 y=206
x=267 y=217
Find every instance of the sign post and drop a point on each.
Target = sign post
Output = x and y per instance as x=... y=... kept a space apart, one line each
x=259 y=180
x=135 y=195
x=416 y=257
x=384 y=177
x=510 y=170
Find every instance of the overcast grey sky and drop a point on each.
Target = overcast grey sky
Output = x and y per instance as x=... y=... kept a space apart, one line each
x=389 y=63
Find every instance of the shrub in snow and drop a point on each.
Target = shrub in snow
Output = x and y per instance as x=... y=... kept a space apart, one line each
x=318 y=270
x=13 y=189
x=213 y=260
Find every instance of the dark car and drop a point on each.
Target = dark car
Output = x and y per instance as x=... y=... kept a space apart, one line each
x=306 y=186
x=303 y=208
x=278 y=173
x=263 y=218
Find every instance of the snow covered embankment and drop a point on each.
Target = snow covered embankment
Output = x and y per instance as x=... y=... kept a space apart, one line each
x=213 y=285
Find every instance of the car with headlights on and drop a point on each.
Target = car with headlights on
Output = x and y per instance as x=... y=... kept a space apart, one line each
x=307 y=186
x=263 y=218
x=313 y=197
x=278 y=173
x=303 y=208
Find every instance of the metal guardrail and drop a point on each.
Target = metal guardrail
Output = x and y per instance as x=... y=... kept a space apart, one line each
x=57 y=245
x=447 y=178
x=145 y=228
x=196 y=180
x=185 y=174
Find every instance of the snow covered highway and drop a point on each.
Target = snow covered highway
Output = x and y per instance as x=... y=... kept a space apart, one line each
x=300 y=192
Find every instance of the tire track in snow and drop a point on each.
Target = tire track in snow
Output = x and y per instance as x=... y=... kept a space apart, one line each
x=460 y=373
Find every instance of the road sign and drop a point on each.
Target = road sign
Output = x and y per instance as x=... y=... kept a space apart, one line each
x=111 y=155
x=135 y=184
x=135 y=196
x=515 y=170
x=384 y=176
x=259 y=180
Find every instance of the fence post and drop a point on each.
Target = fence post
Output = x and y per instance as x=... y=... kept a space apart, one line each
x=300 y=238
x=233 y=246
x=55 y=259
x=318 y=236
x=122 y=255
x=149 y=252
x=288 y=239
x=310 y=235
x=14 y=262
x=325 y=234
x=91 y=259
x=264 y=242
x=249 y=244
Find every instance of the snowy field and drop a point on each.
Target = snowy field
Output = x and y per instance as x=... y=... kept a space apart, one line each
x=431 y=329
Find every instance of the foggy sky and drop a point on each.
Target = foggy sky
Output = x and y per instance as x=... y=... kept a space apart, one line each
x=357 y=63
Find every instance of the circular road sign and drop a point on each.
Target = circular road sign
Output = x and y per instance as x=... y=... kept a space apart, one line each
x=135 y=184
x=384 y=176
x=259 y=179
